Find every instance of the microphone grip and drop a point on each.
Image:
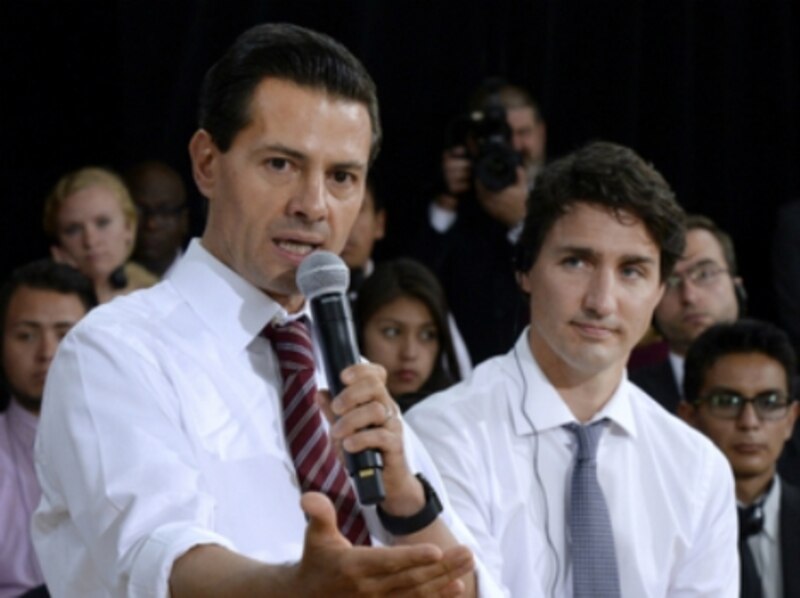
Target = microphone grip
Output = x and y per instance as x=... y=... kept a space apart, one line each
x=334 y=326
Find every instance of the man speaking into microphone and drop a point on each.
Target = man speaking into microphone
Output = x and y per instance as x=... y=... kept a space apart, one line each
x=185 y=447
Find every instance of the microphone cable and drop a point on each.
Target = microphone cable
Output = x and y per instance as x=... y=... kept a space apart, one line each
x=550 y=544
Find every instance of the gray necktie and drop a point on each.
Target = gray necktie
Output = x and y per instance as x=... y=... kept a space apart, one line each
x=594 y=563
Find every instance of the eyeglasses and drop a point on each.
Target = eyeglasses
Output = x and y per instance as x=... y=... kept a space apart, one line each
x=701 y=275
x=768 y=406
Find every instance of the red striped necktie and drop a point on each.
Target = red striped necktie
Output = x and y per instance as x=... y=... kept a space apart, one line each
x=315 y=461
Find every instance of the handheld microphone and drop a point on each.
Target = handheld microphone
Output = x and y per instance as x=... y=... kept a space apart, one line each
x=323 y=278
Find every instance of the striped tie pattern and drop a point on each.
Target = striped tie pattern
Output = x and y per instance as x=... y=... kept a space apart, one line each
x=594 y=562
x=314 y=457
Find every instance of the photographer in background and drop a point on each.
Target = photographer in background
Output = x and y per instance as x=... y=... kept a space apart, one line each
x=494 y=152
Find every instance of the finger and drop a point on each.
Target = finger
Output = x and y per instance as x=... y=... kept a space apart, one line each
x=364 y=383
x=371 y=565
x=378 y=412
x=322 y=529
x=455 y=186
x=456 y=151
x=440 y=578
x=62 y=257
x=379 y=438
x=323 y=399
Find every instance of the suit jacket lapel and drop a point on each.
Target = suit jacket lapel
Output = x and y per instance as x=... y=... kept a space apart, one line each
x=790 y=539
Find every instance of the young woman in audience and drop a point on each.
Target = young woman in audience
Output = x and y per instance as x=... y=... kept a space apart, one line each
x=402 y=323
x=90 y=219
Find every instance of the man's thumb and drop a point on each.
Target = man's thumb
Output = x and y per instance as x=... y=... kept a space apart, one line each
x=321 y=517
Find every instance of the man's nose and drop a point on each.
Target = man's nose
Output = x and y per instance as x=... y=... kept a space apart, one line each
x=600 y=293
x=310 y=197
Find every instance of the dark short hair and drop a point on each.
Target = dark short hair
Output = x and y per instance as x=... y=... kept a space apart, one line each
x=287 y=52
x=510 y=97
x=742 y=336
x=700 y=222
x=45 y=275
x=609 y=175
x=408 y=278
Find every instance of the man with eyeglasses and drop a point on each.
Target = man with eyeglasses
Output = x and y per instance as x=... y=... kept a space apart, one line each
x=738 y=388
x=160 y=197
x=703 y=290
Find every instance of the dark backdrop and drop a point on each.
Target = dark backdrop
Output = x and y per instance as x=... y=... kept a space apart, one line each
x=707 y=90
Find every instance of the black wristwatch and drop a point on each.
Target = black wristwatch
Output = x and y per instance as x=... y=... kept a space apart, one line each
x=402 y=526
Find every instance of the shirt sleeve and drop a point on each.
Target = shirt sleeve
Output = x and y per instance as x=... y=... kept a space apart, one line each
x=488 y=581
x=120 y=482
x=711 y=566
x=463 y=472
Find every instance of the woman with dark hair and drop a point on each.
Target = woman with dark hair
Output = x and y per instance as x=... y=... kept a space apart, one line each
x=402 y=323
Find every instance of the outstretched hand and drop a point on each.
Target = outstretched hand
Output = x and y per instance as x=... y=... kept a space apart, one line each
x=331 y=566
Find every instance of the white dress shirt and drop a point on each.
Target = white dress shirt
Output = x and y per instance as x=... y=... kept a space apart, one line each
x=162 y=430
x=766 y=545
x=670 y=492
x=677 y=363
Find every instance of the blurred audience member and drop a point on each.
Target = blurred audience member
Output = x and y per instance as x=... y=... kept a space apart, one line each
x=474 y=223
x=368 y=229
x=91 y=221
x=401 y=317
x=38 y=305
x=739 y=392
x=786 y=268
x=160 y=197
x=703 y=290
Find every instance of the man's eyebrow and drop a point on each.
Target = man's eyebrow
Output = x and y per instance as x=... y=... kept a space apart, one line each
x=280 y=148
x=27 y=323
x=300 y=156
x=706 y=261
x=637 y=259
x=588 y=252
x=577 y=250
x=37 y=324
x=736 y=391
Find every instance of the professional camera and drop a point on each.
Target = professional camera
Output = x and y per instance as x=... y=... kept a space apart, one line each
x=486 y=135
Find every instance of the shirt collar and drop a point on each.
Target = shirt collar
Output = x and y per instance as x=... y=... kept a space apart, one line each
x=771 y=509
x=676 y=363
x=543 y=406
x=229 y=305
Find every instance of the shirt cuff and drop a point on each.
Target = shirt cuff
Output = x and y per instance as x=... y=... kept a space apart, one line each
x=153 y=565
x=441 y=220
x=515 y=232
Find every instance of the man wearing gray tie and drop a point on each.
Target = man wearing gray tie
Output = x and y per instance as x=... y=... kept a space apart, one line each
x=568 y=475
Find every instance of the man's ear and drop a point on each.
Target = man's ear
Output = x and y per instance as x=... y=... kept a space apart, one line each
x=524 y=281
x=687 y=412
x=204 y=154
x=380 y=224
x=791 y=418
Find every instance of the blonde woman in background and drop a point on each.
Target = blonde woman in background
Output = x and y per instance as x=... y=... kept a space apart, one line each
x=90 y=220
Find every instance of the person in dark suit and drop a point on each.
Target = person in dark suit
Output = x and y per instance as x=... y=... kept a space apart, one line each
x=472 y=227
x=738 y=385
x=786 y=268
x=703 y=290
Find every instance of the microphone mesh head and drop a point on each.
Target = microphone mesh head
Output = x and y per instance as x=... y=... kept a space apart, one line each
x=321 y=273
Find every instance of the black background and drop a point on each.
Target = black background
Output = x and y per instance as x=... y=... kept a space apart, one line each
x=707 y=90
